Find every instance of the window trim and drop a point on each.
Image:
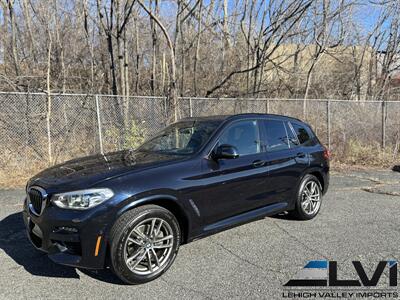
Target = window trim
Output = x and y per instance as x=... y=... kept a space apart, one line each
x=228 y=125
x=287 y=135
x=294 y=134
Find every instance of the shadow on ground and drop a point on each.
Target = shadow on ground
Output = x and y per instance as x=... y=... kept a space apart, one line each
x=14 y=242
x=285 y=216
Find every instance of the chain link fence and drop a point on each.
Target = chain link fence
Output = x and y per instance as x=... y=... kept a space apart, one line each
x=37 y=130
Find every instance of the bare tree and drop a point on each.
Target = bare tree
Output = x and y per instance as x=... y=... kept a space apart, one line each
x=172 y=93
x=283 y=16
x=284 y=48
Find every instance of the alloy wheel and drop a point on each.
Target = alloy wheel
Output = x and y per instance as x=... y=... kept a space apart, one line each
x=149 y=246
x=311 y=198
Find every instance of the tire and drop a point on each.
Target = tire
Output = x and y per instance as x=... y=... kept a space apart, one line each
x=304 y=211
x=135 y=240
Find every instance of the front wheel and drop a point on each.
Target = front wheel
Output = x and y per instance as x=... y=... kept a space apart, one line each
x=144 y=243
x=309 y=198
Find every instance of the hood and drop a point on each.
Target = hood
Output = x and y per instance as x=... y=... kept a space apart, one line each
x=86 y=171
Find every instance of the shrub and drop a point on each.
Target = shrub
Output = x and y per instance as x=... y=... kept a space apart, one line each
x=357 y=153
x=131 y=138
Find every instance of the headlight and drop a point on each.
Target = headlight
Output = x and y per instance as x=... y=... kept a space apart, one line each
x=83 y=199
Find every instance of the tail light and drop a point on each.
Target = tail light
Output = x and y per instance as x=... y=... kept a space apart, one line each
x=327 y=154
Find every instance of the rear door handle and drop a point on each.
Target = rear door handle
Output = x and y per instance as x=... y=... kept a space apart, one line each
x=301 y=155
x=258 y=163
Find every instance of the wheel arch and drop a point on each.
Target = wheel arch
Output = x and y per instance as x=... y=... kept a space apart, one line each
x=313 y=171
x=168 y=202
x=320 y=177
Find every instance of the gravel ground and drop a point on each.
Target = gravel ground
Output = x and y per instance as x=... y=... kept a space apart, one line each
x=359 y=221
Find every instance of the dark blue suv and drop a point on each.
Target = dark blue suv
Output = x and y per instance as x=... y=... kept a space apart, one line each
x=132 y=209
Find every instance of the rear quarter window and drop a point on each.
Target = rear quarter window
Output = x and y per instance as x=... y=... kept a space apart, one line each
x=304 y=135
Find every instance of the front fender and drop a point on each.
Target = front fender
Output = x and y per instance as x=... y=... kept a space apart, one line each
x=169 y=201
x=137 y=200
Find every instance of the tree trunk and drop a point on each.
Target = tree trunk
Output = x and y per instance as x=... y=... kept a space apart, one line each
x=28 y=18
x=49 y=104
x=112 y=63
x=153 y=84
x=172 y=93
x=197 y=51
x=60 y=45
x=137 y=69
x=13 y=37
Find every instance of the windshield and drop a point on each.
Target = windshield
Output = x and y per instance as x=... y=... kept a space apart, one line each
x=182 y=138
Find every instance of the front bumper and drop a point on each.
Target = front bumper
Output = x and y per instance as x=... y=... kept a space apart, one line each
x=73 y=238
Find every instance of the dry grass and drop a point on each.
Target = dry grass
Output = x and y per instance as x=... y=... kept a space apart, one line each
x=372 y=155
x=17 y=177
x=19 y=163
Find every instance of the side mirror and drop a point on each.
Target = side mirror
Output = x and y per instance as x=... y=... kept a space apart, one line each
x=225 y=152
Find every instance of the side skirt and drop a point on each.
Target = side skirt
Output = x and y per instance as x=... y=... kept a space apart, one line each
x=242 y=219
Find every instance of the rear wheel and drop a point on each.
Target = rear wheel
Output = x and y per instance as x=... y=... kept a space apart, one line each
x=144 y=243
x=309 y=198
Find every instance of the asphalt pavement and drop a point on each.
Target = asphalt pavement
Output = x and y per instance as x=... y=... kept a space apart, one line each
x=359 y=221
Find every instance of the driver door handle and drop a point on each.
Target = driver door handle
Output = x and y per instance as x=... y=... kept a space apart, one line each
x=258 y=163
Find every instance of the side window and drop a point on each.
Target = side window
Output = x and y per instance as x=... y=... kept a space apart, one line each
x=302 y=134
x=244 y=135
x=277 y=138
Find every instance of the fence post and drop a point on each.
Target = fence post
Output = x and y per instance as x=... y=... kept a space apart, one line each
x=328 y=122
x=48 y=128
x=383 y=145
x=165 y=110
x=267 y=106
x=99 y=124
x=190 y=107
